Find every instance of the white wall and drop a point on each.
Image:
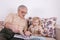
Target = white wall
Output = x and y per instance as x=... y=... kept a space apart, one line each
x=41 y=8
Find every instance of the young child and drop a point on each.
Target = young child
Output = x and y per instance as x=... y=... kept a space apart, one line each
x=36 y=28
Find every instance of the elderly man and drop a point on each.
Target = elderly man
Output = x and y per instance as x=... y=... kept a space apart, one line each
x=15 y=24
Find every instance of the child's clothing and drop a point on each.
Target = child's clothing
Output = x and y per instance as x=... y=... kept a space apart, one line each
x=36 y=30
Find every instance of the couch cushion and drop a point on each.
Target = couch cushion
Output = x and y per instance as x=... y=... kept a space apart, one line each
x=58 y=32
x=47 y=38
x=1 y=22
x=49 y=26
x=1 y=25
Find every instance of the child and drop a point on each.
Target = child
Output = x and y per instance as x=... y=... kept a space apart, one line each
x=36 y=28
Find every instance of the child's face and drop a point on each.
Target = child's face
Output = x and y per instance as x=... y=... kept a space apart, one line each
x=36 y=22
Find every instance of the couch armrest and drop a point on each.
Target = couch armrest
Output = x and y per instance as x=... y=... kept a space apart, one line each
x=1 y=27
x=58 y=32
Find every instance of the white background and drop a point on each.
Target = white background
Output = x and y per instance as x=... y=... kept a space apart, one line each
x=40 y=8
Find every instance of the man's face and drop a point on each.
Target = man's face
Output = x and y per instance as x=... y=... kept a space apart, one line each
x=22 y=12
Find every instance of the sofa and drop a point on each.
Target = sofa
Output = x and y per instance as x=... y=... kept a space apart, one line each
x=57 y=34
x=47 y=38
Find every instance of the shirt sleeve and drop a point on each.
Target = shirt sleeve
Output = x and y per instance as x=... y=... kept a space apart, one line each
x=9 y=18
x=26 y=27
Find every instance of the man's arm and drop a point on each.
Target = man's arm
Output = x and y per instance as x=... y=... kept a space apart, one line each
x=8 y=23
x=26 y=27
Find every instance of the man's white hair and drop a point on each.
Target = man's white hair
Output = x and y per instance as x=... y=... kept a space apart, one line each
x=22 y=6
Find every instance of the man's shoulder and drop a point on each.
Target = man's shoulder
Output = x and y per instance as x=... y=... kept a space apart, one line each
x=12 y=14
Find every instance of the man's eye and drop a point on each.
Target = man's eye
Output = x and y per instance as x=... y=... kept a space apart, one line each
x=22 y=12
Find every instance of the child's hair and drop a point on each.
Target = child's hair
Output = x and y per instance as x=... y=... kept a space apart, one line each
x=37 y=18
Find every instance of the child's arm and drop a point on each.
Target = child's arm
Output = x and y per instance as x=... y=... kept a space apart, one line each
x=41 y=30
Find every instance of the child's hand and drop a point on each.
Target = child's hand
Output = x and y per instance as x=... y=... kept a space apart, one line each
x=27 y=33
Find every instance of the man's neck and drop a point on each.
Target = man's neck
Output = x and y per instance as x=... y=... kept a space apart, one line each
x=21 y=17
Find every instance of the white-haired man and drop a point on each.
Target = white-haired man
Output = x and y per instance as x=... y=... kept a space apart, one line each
x=15 y=23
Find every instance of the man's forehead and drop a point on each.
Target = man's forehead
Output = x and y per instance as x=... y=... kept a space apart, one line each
x=23 y=9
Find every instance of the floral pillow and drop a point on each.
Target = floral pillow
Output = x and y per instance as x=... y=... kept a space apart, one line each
x=48 y=25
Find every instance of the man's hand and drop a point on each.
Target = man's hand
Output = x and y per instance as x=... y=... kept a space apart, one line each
x=15 y=29
x=27 y=33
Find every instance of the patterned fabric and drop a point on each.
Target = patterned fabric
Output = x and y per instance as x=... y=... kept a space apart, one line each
x=48 y=25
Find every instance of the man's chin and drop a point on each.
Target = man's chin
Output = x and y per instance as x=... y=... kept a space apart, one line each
x=22 y=17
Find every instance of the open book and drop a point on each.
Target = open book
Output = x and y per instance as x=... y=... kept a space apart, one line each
x=28 y=38
x=21 y=36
